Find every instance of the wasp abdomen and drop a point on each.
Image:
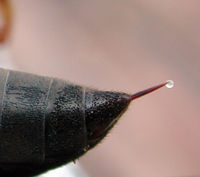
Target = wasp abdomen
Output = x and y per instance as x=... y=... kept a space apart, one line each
x=65 y=121
x=23 y=105
x=46 y=122
x=41 y=118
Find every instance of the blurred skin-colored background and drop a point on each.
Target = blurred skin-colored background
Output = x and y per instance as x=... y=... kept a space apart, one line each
x=124 y=46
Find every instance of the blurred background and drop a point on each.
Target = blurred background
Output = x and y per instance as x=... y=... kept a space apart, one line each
x=123 y=46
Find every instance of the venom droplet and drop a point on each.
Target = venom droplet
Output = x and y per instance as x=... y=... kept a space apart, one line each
x=170 y=84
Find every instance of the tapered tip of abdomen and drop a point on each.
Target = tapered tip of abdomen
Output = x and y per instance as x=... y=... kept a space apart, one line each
x=102 y=110
x=168 y=84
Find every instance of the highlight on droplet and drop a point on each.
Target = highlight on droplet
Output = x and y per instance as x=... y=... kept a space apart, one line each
x=169 y=84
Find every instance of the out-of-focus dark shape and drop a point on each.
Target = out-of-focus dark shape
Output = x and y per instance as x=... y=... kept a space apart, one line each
x=5 y=10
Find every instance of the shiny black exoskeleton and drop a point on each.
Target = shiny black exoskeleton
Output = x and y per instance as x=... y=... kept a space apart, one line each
x=46 y=122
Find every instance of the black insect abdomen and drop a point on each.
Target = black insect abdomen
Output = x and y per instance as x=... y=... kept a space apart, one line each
x=47 y=122
x=22 y=117
x=39 y=118
x=65 y=124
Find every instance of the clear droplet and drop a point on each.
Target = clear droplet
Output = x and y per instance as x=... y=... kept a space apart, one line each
x=170 y=84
